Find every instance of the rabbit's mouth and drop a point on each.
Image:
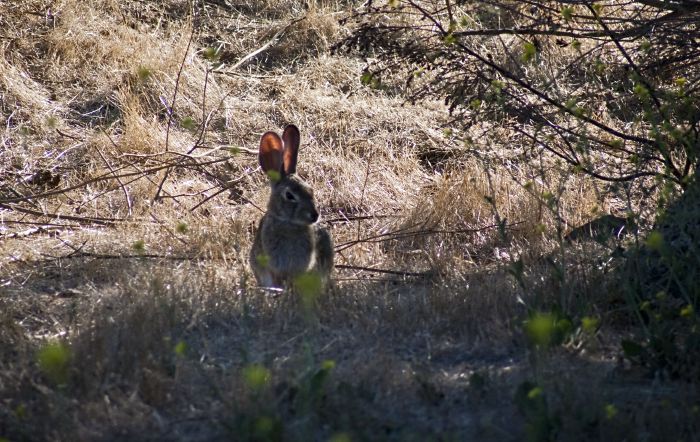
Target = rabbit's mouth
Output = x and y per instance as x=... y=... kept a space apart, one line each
x=305 y=218
x=300 y=218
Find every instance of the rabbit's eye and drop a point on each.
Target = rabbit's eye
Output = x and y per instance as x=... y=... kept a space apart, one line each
x=289 y=196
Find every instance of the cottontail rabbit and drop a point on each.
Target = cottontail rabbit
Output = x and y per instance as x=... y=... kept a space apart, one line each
x=288 y=243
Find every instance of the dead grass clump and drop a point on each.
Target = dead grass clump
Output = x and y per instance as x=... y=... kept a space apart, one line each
x=31 y=102
x=458 y=226
x=141 y=134
x=311 y=35
x=104 y=59
x=29 y=142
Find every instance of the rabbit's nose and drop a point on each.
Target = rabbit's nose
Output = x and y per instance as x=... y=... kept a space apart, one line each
x=313 y=216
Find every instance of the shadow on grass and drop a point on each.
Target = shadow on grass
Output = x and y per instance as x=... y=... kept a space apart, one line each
x=190 y=351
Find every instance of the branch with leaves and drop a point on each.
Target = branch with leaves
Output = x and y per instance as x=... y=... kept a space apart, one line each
x=612 y=90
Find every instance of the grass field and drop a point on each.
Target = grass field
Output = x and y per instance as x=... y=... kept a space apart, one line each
x=129 y=195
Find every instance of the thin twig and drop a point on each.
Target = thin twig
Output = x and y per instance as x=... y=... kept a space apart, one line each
x=110 y=256
x=264 y=47
x=81 y=219
x=347 y=219
x=109 y=176
x=385 y=271
x=209 y=197
x=171 y=110
x=402 y=234
x=43 y=228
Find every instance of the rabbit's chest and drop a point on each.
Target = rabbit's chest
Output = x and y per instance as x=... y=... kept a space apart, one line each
x=291 y=252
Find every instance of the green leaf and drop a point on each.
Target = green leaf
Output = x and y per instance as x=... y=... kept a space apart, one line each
x=263 y=260
x=181 y=227
x=599 y=66
x=616 y=143
x=549 y=198
x=450 y=39
x=687 y=311
x=564 y=327
x=188 y=124
x=655 y=241
x=274 y=175
x=610 y=411
x=589 y=325
x=366 y=78
x=52 y=122
x=531 y=401
x=340 y=437
x=180 y=349
x=139 y=246
x=497 y=86
x=53 y=359
x=256 y=376
x=645 y=45
x=535 y=393
x=318 y=380
x=211 y=54
x=641 y=91
x=143 y=74
x=567 y=12
x=540 y=329
x=309 y=286
x=20 y=411
x=529 y=51
x=266 y=428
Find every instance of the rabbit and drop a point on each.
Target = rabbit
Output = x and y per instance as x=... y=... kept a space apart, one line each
x=289 y=242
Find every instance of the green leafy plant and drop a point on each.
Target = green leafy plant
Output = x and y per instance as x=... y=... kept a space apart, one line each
x=54 y=362
x=470 y=64
x=540 y=423
x=547 y=329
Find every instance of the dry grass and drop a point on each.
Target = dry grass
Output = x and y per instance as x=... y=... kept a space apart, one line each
x=159 y=313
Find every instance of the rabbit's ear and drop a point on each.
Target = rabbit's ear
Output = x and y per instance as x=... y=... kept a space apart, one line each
x=270 y=155
x=291 y=139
